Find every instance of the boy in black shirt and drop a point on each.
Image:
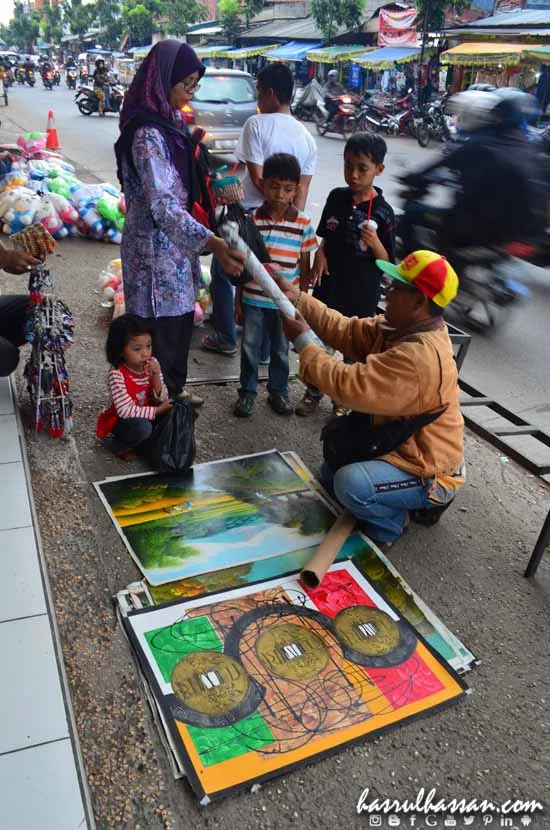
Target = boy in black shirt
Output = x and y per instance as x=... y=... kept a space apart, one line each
x=344 y=275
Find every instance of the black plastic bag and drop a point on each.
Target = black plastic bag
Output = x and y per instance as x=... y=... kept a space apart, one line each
x=251 y=235
x=172 y=448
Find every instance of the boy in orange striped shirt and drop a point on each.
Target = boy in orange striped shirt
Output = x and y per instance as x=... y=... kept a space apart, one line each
x=290 y=240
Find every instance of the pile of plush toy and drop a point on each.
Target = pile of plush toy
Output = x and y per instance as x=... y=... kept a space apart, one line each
x=38 y=185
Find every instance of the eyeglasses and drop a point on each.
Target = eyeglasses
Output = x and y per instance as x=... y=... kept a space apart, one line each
x=190 y=86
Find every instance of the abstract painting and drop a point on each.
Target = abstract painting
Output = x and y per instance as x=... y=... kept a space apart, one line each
x=256 y=681
x=368 y=559
x=217 y=515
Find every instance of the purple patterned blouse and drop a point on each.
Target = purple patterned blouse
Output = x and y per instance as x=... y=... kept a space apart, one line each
x=161 y=241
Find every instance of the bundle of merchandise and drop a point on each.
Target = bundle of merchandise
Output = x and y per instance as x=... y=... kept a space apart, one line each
x=50 y=331
x=111 y=291
x=37 y=185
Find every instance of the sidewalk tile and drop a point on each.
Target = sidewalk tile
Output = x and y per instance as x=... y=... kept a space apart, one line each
x=6 y=402
x=10 y=449
x=22 y=589
x=40 y=789
x=32 y=709
x=14 y=502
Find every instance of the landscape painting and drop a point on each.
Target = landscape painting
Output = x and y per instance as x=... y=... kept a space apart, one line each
x=217 y=515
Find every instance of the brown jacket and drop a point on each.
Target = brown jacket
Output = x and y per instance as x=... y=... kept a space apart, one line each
x=390 y=380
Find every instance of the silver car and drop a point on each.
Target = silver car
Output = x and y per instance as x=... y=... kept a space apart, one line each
x=225 y=99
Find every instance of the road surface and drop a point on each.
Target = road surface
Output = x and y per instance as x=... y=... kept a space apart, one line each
x=509 y=365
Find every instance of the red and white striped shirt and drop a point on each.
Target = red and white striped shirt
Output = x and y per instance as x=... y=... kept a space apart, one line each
x=132 y=394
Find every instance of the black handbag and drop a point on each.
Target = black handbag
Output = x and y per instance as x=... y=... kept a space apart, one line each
x=350 y=438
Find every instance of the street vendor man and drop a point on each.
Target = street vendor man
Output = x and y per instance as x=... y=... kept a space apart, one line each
x=400 y=449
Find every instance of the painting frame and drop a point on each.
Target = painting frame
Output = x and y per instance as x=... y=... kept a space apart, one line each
x=206 y=562
x=455 y=686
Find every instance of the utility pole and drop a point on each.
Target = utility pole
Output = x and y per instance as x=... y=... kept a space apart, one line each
x=423 y=45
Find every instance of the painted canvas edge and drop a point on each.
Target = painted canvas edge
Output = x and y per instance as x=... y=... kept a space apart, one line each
x=192 y=776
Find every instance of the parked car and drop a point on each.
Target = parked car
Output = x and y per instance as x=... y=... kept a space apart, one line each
x=225 y=99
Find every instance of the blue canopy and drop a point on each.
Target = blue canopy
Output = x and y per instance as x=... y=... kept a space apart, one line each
x=387 y=57
x=296 y=50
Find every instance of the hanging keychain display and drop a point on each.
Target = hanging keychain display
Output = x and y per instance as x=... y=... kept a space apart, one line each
x=50 y=332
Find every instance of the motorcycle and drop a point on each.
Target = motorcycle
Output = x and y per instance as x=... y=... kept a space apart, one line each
x=47 y=79
x=344 y=120
x=88 y=102
x=489 y=285
x=308 y=104
x=20 y=75
x=56 y=77
x=431 y=122
x=71 y=78
x=9 y=78
x=29 y=77
x=391 y=116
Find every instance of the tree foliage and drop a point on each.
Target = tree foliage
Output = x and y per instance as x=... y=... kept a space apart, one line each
x=79 y=16
x=23 y=29
x=229 y=12
x=330 y=15
x=181 y=14
x=52 y=22
x=138 y=23
x=436 y=11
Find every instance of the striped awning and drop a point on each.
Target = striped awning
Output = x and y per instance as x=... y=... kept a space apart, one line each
x=246 y=52
x=536 y=54
x=296 y=50
x=212 y=51
x=484 y=54
x=335 y=54
x=388 y=57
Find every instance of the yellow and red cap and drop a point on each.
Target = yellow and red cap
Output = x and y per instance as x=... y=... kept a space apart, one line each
x=428 y=272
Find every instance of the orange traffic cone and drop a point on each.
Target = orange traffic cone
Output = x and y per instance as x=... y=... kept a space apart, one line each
x=52 y=142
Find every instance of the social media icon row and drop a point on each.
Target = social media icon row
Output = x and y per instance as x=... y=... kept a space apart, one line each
x=449 y=821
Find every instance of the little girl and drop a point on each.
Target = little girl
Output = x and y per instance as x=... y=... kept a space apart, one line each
x=136 y=388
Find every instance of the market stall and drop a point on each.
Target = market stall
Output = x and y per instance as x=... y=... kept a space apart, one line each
x=390 y=68
x=217 y=52
x=495 y=63
x=247 y=58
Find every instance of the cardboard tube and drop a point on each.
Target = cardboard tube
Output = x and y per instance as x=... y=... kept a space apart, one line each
x=314 y=571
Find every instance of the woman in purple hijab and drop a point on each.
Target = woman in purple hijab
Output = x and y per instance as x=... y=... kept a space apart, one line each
x=162 y=241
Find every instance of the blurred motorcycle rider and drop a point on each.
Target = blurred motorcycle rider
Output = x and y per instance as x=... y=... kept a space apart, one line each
x=498 y=169
x=101 y=85
x=333 y=90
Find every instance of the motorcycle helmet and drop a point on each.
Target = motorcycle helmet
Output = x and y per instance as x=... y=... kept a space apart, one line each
x=99 y=63
x=514 y=108
x=333 y=74
x=472 y=110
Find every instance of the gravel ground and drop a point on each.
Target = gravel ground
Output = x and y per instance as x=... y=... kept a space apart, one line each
x=468 y=568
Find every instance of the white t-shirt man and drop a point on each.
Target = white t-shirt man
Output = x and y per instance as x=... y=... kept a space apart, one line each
x=269 y=133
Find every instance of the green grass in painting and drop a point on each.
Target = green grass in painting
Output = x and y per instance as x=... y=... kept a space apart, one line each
x=224 y=742
x=169 y=644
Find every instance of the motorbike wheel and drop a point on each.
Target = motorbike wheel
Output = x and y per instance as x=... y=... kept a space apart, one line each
x=423 y=135
x=349 y=127
x=86 y=107
x=322 y=127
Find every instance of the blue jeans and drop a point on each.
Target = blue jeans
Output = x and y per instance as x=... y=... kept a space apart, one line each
x=257 y=323
x=380 y=495
x=223 y=317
